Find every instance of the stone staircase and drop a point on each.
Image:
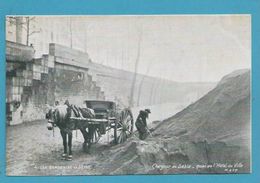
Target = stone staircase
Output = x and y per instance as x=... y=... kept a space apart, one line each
x=31 y=82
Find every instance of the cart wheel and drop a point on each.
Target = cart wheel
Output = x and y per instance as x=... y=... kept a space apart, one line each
x=124 y=126
x=96 y=136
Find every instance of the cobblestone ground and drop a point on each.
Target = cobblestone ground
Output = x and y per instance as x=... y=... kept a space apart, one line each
x=32 y=150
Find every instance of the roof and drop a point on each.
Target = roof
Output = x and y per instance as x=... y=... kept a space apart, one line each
x=99 y=101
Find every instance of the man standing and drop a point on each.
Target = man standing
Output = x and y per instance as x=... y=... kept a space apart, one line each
x=141 y=123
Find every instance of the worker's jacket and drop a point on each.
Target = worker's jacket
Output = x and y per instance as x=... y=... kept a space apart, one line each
x=141 y=122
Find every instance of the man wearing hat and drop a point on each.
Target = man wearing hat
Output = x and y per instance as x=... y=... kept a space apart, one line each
x=141 y=124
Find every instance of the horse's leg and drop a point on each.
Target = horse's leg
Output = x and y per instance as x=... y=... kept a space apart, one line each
x=85 y=135
x=90 y=136
x=70 y=145
x=64 y=139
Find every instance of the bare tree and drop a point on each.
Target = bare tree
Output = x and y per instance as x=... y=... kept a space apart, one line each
x=159 y=94
x=18 y=21
x=141 y=84
x=152 y=92
x=28 y=20
x=131 y=100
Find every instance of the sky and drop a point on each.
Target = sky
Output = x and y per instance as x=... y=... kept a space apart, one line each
x=185 y=48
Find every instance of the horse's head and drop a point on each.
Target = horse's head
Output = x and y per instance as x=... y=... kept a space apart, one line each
x=57 y=115
x=50 y=117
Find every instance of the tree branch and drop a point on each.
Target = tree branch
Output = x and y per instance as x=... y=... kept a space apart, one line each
x=34 y=32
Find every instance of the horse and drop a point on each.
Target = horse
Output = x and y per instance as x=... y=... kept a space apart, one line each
x=60 y=116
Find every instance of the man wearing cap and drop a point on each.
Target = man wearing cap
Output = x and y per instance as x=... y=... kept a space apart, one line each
x=141 y=124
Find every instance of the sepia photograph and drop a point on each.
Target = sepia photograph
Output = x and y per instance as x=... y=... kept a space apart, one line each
x=128 y=94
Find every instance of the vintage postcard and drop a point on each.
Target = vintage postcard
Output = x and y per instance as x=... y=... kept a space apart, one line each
x=127 y=95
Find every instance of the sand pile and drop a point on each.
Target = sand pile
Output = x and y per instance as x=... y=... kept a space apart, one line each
x=203 y=138
x=221 y=115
